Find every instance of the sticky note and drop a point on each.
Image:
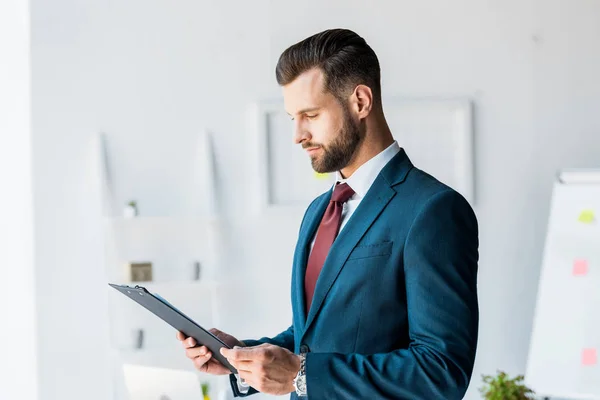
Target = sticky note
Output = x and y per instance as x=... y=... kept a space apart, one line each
x=589 y=357
x=320 y=176
x=586 y=216
x=580 y=267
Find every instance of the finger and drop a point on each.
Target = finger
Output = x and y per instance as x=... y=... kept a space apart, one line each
x=245 y=366
x=246 y=353
x=214 y=362
x=196 y=352
x=190 y=342
x=201 y=362
x=235 y=354
x=214 y=367
x=180 y=336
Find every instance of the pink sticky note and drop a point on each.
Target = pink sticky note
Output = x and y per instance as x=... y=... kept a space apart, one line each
x=589 y=357
x=580 y=267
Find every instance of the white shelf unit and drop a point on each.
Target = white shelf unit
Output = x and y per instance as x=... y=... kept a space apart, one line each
x=173 y=243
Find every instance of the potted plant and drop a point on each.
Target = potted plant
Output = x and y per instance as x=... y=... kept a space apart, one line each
x=130 y=210
x=205 y=388
x=502 y=387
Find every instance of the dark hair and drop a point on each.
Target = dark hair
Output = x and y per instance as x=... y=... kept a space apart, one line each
x=344 y=57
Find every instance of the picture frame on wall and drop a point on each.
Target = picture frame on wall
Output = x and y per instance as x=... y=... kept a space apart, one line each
x=438 y=137
x=284 y=178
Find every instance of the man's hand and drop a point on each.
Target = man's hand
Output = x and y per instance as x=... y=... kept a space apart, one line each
x=267 y=368
x=202 y=357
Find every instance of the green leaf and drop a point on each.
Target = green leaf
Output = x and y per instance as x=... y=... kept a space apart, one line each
x=503 y=387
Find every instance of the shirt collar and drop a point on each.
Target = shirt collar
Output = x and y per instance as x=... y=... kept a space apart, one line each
x=362 y=179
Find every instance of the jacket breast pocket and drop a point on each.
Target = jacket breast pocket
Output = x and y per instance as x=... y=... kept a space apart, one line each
x=371 y=250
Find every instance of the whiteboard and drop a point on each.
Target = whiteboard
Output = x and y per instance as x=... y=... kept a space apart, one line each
x=565 y=341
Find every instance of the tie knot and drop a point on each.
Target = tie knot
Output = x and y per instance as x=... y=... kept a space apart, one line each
x=341 y=193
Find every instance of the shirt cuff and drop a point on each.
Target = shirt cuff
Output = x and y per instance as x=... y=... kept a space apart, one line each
x=243 y=387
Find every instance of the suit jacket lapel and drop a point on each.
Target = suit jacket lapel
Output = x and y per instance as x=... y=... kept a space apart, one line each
x=371 y=206
x=310 y=226
x=369 y=209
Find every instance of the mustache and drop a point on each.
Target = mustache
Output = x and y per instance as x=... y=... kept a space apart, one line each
x=310 y=145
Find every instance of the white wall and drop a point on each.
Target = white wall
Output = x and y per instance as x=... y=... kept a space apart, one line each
x=18 y=360
x=147 y=69
x=71 y=295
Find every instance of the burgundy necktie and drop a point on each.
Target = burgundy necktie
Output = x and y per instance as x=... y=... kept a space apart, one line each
x=326 y=234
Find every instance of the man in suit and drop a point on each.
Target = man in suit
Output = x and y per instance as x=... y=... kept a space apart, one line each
x=384 y=281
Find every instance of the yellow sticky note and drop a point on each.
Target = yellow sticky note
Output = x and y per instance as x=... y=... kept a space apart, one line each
x=586 y=216
x=320 y=176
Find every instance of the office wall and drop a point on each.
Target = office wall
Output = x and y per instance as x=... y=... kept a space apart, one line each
x=18 y=361
x=143 y=70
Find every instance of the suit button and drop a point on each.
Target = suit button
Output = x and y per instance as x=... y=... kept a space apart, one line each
x=304 y=349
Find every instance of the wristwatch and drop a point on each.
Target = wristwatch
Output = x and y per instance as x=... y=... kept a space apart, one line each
x=300 y=380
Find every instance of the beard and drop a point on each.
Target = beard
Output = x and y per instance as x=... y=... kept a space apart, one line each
x=339 y=152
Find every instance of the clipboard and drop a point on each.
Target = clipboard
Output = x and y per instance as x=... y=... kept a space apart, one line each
x=178 y=320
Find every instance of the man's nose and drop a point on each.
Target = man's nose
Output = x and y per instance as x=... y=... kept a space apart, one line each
x=300 y=133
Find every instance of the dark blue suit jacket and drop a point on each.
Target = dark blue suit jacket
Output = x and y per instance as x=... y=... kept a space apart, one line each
x=395 y=311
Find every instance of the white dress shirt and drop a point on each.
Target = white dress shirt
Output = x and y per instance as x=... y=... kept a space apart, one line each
x=361 y=181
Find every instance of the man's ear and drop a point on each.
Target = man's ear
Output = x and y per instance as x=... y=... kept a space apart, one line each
x=362 y=101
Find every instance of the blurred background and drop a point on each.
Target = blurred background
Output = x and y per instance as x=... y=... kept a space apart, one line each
x=147 y=135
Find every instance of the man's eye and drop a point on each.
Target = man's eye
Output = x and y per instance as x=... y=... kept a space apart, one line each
x=311 y=116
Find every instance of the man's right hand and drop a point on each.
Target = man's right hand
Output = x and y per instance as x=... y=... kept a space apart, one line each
x=202 y=357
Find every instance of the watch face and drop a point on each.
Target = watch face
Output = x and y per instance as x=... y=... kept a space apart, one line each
x=302 y=385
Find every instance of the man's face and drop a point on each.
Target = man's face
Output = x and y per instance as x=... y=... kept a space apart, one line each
x=324 y=127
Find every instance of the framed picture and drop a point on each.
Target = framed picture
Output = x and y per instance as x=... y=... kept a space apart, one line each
x=437 y=135
x=285 y=179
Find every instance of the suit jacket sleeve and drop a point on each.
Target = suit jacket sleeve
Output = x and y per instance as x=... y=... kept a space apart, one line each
x=284 y=339
x=440 y=267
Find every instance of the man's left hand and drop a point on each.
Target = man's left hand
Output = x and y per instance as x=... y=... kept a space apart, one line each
x=267 y=368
